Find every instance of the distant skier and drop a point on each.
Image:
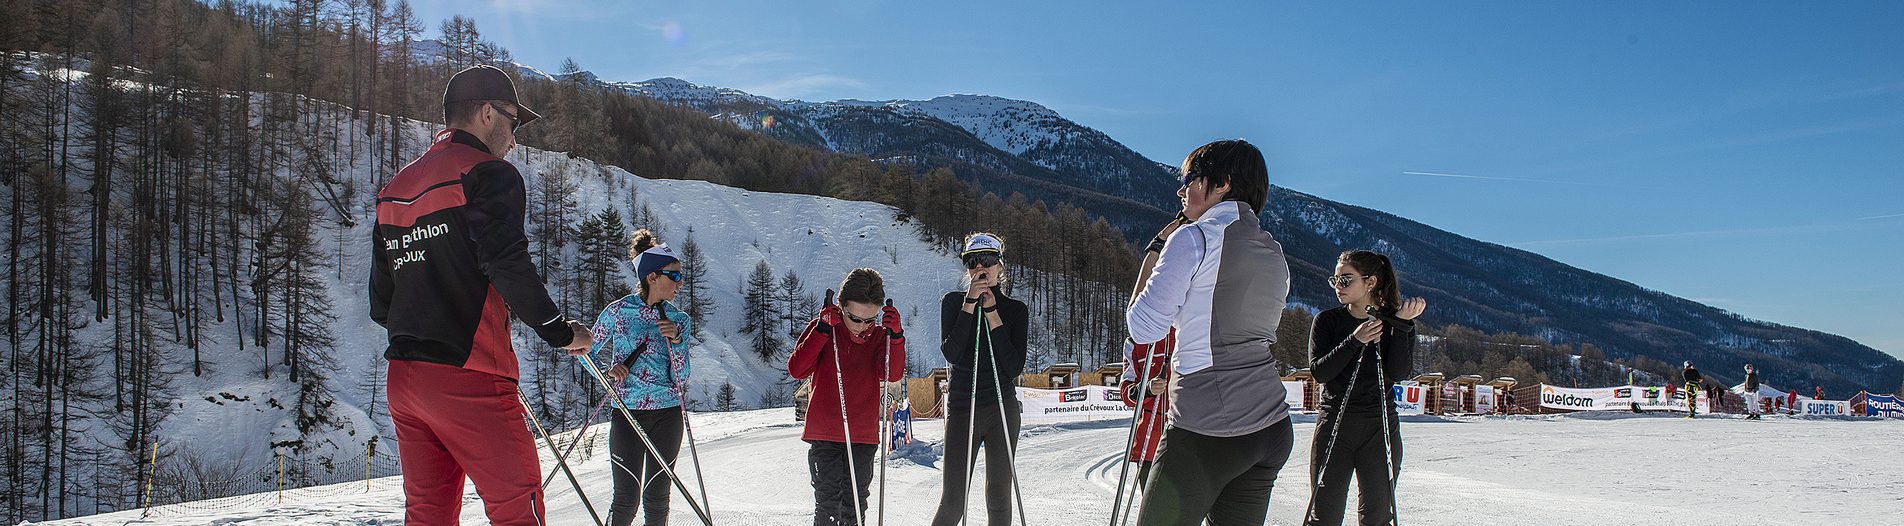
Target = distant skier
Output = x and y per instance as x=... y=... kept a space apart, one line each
x=1692 y=389
x=1751 y=394
x=848 y=350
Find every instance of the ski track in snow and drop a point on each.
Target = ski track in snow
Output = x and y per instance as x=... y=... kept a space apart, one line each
x=1597 y=469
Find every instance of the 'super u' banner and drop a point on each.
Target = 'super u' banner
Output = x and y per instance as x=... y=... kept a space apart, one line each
x=1826 y=407
x=1409 y=399
x=1883 y=405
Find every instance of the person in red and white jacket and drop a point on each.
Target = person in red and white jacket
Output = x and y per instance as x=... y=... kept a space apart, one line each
x=1153 y=358
x=450 y=267
x=853 y=346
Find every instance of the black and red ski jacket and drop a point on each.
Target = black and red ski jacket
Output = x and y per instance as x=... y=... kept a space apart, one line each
x=450 y=261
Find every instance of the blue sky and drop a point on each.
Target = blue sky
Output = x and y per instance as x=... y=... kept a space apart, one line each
x=1745 y=155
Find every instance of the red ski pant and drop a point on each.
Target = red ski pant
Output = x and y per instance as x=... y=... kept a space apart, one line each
x=453 y=422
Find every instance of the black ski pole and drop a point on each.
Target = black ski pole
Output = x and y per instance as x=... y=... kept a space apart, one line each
x=586 y=422
x=1130 y=441
x=1011 y=435
x=1317 y=471
x=649 y=443
x=559 y=460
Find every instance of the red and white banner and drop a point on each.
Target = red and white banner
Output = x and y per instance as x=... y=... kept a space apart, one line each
x=1091 y=402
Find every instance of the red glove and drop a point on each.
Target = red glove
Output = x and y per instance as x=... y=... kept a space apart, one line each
x=889 y=317
x=831 y=316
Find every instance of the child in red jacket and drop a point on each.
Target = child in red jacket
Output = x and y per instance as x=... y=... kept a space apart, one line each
x=1153 y=358
x=848 y=351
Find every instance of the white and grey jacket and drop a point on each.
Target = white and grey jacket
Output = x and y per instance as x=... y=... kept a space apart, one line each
x=1222 y=282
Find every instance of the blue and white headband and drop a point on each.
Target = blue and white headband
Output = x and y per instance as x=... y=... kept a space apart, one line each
x=654 y=259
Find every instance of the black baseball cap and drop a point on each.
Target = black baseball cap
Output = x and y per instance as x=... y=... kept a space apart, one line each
x=487 y=83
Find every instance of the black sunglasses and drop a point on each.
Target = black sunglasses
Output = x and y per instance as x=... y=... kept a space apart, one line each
x=1343 y=280
x=856 y=319
x=514 y=121
x=1190 y=177
x=671 y=274
x=988 y=259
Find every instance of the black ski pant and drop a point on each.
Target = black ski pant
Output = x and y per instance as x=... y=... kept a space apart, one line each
x=1226 y=480
x=1358 y=451
x=652 y=488
x=965 y=432
x=835 y=491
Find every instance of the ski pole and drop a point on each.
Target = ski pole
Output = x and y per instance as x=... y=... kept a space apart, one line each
x=586 y=422
x=1137 y=414
x=971 y=423
x=846 y=427
x=559 y=460
x=1317 y=471
x=1011 y=435
x=1388 y=449
x=885 y=418
x=687 y=425
x=645 y=441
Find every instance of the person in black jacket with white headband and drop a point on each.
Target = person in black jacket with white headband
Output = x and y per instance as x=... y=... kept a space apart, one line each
x=982 y=408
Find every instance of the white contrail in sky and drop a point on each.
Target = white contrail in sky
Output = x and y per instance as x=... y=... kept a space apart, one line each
x=1490 y=178
x=1886 y=216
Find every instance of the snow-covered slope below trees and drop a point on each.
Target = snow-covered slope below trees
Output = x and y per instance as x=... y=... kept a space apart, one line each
x=1457 y=470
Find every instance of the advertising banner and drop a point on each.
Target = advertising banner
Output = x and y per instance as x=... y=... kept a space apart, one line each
x=1090 y=402
x=1409 y=399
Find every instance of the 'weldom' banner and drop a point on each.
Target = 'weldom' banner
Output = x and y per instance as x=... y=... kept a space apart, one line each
x=1621 y=398
x=1576 y=399
x=1886 y=405
x=1090 y=402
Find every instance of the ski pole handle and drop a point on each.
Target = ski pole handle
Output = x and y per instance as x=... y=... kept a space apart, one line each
x=829 y=298
x=1389 y=317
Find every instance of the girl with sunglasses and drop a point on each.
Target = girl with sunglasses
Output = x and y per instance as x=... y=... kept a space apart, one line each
x=847 y=352
x=982 y=408
x=1358 y=357
x=641 y=346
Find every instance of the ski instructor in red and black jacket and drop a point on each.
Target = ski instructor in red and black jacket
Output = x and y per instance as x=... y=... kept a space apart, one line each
x=451 y=263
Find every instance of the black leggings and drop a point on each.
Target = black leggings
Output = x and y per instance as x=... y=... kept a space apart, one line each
x=999 y=439
x=833 y=497
x=1226 y=480
x=652 y=489
x=1358 y=451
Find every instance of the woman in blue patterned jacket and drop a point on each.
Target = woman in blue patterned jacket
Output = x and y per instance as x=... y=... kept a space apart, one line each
x=640 y=344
